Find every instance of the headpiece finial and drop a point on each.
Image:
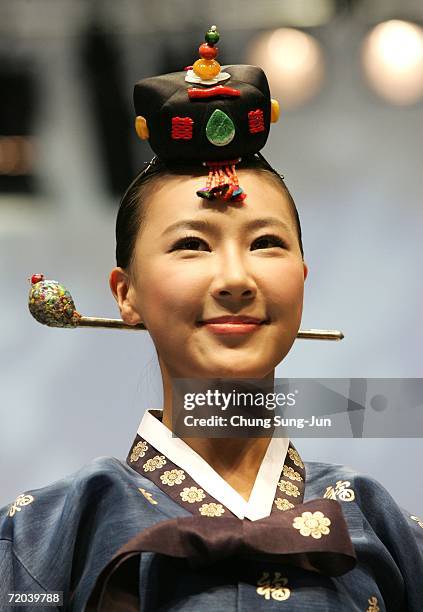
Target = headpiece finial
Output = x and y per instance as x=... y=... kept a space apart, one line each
x=207 y=113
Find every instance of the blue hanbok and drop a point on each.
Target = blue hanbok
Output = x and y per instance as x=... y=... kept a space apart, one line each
x=149 y=534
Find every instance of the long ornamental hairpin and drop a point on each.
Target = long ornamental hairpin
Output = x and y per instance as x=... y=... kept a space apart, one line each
x=207 y=114
x=50 y=303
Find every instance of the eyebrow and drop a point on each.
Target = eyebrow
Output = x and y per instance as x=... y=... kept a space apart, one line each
x=212 y=228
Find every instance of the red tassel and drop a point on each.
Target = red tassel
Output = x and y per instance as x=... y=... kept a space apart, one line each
x=222 y=182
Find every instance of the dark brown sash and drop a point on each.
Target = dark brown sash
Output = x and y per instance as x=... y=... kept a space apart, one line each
x=204 y=541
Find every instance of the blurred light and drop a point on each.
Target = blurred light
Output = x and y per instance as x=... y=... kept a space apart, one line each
x=293 y=62
x=392 y=57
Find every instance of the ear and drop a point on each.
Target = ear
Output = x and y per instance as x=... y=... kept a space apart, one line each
x=305 y=266
x=124 y=293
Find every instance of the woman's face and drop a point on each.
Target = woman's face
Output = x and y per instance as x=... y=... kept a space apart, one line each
x=195 y=260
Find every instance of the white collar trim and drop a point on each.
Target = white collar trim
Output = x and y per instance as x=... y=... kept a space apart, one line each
x=262 y=495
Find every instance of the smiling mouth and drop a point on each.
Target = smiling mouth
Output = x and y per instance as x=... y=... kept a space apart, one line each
x=231 y=328
x=232 y=322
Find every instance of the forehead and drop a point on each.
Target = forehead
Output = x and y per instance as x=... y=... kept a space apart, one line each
x=175 y=199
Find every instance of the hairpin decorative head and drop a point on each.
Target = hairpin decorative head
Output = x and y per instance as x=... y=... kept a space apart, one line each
x=51 y=303
x=207 y=114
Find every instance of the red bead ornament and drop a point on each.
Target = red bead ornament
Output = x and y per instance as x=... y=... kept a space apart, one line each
x=182 y=128
x=207 y=51
x=256 y=121
x=37 y=278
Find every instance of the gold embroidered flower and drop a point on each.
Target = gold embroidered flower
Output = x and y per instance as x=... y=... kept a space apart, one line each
x=373 y=605
x=290 y=473
x=192 y=494
x=288 y=488
x=211 y=509
x=155 y=463
x=283 y=504
x=172 y=477
x=295 y=457
x=138 y=451
x=21 y=500
x=315 y=524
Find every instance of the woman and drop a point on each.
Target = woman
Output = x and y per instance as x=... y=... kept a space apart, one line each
x=229 y=523
x=62 y=537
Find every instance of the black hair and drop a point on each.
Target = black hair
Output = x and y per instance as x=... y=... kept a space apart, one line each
x=132 y=211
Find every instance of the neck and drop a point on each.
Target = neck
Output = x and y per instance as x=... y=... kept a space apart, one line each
x=236 y=460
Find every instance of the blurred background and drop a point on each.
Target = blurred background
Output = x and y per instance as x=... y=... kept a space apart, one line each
x=349 y=78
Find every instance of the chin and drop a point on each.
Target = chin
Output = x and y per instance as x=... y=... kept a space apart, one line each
x=240 y=371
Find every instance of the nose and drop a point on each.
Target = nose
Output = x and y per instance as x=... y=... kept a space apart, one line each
x=232 y=279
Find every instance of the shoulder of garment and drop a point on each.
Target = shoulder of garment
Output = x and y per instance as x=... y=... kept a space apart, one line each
x=354 y=489
x=56 y=533
x=380 y=528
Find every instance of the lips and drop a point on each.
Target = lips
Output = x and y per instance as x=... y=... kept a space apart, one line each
x=234 y=320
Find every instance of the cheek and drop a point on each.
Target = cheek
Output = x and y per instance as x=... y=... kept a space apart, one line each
x=285 y=290
x=167 y=293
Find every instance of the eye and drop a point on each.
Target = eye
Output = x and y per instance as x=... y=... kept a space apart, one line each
x=188 y=243
x=268 y=241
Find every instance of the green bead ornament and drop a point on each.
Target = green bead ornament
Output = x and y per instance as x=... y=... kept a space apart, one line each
x=212 y=36
x=220 y=129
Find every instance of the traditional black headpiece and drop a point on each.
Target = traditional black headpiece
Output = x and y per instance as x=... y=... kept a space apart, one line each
x=206 y=114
